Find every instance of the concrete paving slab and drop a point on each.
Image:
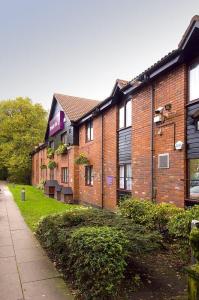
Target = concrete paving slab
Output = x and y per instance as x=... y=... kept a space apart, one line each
x=7 y=265
x=29 y=254
x=6 y=251
x=10 y=287
x=5 y=238
x=37 y=270
x=20 y=234
x=49 y=289
x=25 y=244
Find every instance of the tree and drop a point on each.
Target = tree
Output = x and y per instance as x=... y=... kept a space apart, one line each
x=22 y=126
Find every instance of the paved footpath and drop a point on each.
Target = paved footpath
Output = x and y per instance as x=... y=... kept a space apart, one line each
x=26 y=273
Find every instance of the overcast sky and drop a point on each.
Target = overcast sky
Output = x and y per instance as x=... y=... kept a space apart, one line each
x=80 y=47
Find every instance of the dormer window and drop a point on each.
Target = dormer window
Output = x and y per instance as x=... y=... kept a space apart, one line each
x=125 y=114
x=194 y=81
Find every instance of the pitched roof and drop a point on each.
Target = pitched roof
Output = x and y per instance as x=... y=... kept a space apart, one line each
x=122 y=82
x=75 y=107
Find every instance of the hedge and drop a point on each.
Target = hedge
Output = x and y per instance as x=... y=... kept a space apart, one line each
x=153 y=216
x=59 y=235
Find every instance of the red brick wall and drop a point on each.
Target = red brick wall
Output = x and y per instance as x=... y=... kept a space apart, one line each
x=110 y=157
x=92 y=150
x=141 y=151
x=170 y=183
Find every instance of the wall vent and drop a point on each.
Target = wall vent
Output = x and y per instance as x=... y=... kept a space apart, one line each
x=163 y=161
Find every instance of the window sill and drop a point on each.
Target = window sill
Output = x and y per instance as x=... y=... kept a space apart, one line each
x=123 y=190
x=123 y=128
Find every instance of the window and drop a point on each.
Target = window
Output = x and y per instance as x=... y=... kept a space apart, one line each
x=52 y=174
x=52 y=144
x=89 y=131
x=64 y=175
x=125 y=177
x=125 y=115
x=194 y=81
x=194 y=178
x=163 y=161
x=121 y=117
x=89 y=175
x=64 y=138
x=128 y=113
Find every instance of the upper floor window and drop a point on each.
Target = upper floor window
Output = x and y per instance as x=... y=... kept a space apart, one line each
x=125 y=115
x=89 y=175
x=89 y=131
x=194 y=81
x=64 y=138
x=64 y=175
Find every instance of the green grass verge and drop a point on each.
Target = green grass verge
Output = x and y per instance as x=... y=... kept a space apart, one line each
x=37 y=204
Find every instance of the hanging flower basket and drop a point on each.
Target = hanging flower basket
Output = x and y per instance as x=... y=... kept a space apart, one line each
x=82 y=159
x=52 y=164
x=50 y=153
x=43 y=167
x=62 y=149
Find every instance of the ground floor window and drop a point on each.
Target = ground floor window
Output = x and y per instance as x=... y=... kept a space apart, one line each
x=125 y=177
x=89 y=175
x=64 y=175
x=194 y=178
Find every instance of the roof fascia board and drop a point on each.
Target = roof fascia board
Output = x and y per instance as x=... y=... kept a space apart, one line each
x=186 y=40
x=165 y=67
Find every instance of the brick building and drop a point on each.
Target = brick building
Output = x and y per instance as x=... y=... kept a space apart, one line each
x=143 y=140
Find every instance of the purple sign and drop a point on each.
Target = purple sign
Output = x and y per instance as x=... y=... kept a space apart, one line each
x=57 y=123
x=109 y=180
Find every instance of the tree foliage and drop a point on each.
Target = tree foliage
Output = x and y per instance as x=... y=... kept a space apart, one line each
x=22 y=126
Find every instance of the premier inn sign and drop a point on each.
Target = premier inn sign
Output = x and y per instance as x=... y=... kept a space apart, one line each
x=57 y=123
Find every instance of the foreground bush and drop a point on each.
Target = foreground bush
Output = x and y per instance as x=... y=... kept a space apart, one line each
x=153 y=216
x=97 y=260
x=58 y=235
x=180 y=225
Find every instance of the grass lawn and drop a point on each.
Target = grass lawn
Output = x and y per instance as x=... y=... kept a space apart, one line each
x=37 y=204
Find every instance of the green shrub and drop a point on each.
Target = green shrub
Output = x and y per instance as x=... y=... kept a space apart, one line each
x=162 y=214
x=55 y=231
x=97 y=260
x=180 y=225
x=139 y=211
x=142 y=240
x=153 y=216
x=194 y=242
